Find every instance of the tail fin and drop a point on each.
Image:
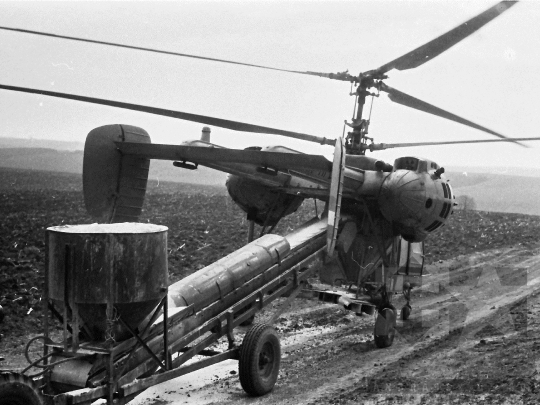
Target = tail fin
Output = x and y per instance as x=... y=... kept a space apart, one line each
x=114 y=185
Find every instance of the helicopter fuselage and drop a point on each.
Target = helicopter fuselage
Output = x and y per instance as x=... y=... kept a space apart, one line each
x=412 y=194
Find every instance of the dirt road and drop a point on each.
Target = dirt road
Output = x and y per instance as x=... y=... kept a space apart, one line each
x=473 y=337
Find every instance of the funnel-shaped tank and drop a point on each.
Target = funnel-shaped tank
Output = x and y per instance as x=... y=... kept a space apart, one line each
x=104 y=272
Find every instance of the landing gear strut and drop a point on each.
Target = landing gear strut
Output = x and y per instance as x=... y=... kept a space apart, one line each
x=406 y=310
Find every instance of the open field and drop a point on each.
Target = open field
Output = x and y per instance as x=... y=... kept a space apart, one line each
x=476 y=313
x=511 y=190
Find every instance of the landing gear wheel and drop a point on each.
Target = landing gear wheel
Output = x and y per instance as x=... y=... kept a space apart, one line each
x=18 y=389
x=406 y=312
x=385 y=327
x=260 y=355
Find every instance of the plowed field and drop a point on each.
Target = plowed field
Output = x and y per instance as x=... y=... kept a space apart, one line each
x=473 y=336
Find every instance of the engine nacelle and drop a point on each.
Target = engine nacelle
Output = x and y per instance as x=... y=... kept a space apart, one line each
x=262 y=204
x=416 y=199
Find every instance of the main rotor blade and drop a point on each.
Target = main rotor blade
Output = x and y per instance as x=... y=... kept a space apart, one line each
x=410 y=60
x=203 y=119
x=277 y=160
x=444 y=42
x=410 y=101
x=383 y=146
x=140 y=48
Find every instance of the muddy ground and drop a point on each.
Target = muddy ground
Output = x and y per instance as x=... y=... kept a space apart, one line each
x=473 y=337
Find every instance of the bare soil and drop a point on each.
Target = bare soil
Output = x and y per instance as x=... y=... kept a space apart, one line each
x=473 y=336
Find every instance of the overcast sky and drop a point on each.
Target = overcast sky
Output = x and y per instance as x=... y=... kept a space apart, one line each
x=491 y=78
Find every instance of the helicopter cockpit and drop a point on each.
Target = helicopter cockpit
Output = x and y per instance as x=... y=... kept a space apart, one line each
x=406 y=163
x=415 y=164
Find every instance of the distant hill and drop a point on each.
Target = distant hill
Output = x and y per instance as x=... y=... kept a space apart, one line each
x=499 y=193
x=71 y=162
x=508 y=171
x=162 y=170
x=491 y=189
x=40 y=143
x=42 y=159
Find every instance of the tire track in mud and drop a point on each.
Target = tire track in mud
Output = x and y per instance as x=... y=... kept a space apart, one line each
x=332 y=357
x=490 y=306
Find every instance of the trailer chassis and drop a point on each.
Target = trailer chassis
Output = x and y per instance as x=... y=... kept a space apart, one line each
x=120 y=387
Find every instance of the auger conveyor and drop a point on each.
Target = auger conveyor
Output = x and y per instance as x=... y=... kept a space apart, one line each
x=109 y=352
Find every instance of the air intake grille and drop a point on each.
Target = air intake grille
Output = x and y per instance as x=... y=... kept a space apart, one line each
x=434 y=226
x=445 y=210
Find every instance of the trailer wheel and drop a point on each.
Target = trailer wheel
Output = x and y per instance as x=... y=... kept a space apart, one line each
x=260 y=355
x=18 y=389
x=385 y=327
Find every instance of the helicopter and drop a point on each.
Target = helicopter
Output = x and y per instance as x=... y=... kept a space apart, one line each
x=378 y=213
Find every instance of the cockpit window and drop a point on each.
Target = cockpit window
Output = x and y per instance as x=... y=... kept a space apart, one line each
x=406 y=163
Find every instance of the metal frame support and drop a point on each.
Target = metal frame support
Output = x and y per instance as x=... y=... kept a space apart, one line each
x=143 y=343
x=143 y=333
x=230 y=328
x=251 y=230
x=290 y=298
x=166 y=354
x=45 y=302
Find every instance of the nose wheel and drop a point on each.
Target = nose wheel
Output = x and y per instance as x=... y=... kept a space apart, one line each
x=385 y=327
x=406 y=310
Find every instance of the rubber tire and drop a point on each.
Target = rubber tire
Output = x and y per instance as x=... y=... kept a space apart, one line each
x=405 y=312
x=384 y=341
x=18 y=389
x=260 y=344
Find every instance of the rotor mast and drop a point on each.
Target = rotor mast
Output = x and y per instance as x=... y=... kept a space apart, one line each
x=356 y=140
